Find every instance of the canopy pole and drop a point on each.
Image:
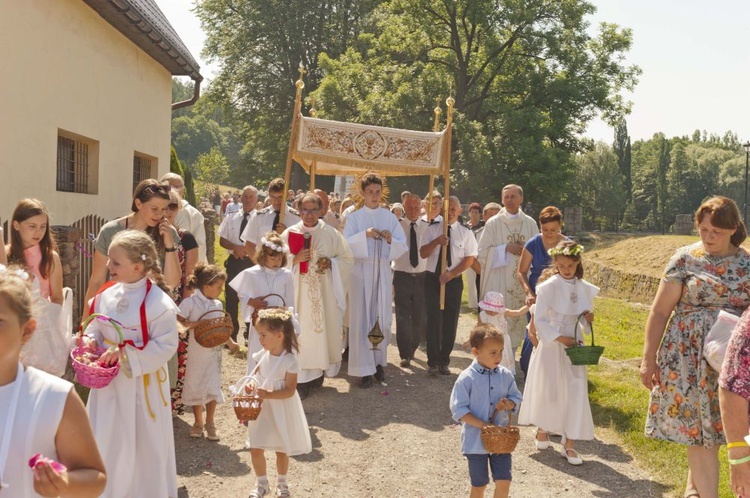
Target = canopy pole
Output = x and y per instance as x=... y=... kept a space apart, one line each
x=446 y=195
x=292 y=140
x=313 y=168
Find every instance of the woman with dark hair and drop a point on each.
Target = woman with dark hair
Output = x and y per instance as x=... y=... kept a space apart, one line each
x=149 y=207
x=700 y=280
x=534 y=259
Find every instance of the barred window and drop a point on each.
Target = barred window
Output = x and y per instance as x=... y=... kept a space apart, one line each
x=77 y=162
x=143 y=168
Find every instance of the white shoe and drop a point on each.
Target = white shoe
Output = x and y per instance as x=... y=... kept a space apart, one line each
x=541 y=444
x=573 y=459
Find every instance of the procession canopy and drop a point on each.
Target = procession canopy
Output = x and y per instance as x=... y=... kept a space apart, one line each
x=338 y=148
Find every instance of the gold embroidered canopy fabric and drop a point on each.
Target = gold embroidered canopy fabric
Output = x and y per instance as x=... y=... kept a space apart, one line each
x=339 y=148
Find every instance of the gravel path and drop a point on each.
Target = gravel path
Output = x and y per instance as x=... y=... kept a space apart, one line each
x=396 y=440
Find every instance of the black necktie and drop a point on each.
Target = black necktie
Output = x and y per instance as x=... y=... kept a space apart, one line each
x=275 y=220
x=244 y=222
x=413 y=255
x=449 y=260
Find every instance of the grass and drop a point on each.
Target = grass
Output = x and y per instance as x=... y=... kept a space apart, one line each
x=619 y=400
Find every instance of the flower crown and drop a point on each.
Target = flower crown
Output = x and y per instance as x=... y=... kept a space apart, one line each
x=284 y=314
x=271 y=245
x=575 y=250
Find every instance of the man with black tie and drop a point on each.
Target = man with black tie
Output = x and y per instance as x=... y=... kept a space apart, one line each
x=269 y=219
x=408 y=283
x=461 y=247
x=239 y=258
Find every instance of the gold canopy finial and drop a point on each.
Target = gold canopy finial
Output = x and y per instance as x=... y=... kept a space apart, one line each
x=437 y=111
x=313 y=112
x=302 y=71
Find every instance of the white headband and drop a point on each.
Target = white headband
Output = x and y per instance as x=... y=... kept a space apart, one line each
x=271 y=245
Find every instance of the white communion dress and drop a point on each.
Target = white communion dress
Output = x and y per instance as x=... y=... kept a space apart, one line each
x=203 y=368
x=556 y=398
x=31 y=408
x=281 y=425
x=498 y=321
x=132 y=417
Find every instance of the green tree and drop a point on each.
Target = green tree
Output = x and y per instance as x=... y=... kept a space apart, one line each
x=623 y=150
x=662 y=166
x=600 y=186
x=211 y=169
x=526 y=77
x=259 y=45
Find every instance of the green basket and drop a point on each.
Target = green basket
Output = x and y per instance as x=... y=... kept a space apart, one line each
x=584 y=355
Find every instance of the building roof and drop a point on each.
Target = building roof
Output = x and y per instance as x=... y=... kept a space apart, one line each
x=143 y=23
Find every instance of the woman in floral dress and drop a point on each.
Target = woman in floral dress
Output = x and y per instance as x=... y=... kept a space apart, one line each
x=700 y=280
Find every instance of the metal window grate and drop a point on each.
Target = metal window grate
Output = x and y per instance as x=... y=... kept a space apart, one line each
x=72 y=165
x=141 y=170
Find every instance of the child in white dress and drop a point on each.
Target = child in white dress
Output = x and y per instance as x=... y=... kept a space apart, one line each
x=132 y=416
x=556 y=394
x=494 y=312
x=203 y=369
x=268 y=276
x=39 y=414
x=282 y=425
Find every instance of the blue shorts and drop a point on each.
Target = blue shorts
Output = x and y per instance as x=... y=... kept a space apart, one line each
x=499 y=464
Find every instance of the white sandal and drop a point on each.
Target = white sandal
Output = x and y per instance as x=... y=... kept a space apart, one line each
x=541 y=444
x=572 y=460
x=258 y=492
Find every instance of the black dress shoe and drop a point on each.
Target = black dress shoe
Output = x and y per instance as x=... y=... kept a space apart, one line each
x=432 y=371
x=444 y=370
x=366 y=382
x=379 y=373
x=303 y=390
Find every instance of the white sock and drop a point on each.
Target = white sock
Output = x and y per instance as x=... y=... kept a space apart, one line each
x=263 y=481
x=282 y=479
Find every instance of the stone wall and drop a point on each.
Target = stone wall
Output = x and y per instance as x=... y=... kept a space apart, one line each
x=67 y=237
x=621 y=284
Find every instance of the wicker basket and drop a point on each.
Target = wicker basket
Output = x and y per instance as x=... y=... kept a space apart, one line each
x=213 y=332
x=246 y=406
x=498 y=439
x=584 y=355
x=262 y=298
x=91 y=375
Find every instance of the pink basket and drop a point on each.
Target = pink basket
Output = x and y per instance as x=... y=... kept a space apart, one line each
x=93 y=376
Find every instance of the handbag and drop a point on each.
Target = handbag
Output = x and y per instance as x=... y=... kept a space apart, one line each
x=717 y=339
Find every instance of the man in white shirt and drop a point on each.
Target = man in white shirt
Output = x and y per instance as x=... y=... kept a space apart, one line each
x=325 y=213
x=269 y=219
x=408 y=283
x=461 y=247
x=239 y=258
x=234 y=206
x=500 y=247
x=188 y=218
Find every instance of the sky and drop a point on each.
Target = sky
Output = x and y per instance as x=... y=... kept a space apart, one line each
x=694 y=54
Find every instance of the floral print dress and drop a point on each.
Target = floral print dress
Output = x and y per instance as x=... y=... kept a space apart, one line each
x=685 y=408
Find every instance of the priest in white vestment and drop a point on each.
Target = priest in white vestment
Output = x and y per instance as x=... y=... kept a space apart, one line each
x=319 y=294
x=376 y=238
x=500 y=247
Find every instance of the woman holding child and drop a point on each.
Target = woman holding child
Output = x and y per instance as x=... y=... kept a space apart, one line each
x=700 y=280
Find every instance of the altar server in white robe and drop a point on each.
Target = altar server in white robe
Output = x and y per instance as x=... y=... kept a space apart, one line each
x=376 y=238
x=555 y=397
x=320 y=288
x=131 y=417
x=500 y=247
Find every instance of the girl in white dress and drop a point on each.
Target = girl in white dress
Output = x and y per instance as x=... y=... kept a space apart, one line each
x=39 y=414
x=556 y=397
x=132 y=416
x=281 y=425
x=203 y=369
x=493 y=312
x=269 y=276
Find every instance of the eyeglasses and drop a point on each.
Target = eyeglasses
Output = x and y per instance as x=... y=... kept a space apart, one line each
x=173 y=206
x=160 y=188
x=309 y=211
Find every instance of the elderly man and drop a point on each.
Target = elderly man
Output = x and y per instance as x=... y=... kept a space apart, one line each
x=188 y=218
x=325 y=213
x=461 y=249
x=500 y=247
x=320 y=293
x=408 y=283
x=239 y=258
x=269 y=218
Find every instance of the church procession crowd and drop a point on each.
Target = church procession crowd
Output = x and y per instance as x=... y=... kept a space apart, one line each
x=312 y=284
